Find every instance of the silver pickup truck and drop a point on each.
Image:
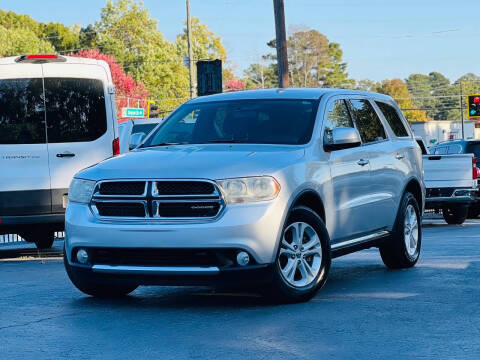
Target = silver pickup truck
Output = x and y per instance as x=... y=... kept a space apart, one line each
x=451 y=182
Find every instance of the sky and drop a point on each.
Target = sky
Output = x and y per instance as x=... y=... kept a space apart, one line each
x=380 y=39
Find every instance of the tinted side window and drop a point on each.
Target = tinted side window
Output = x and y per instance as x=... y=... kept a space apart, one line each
x=337 y=115
x=368 y=123
x=393 y=119
x=441 y=150
x=22 y=116
x=75 y=109
x=143 y=128
x=454 y=149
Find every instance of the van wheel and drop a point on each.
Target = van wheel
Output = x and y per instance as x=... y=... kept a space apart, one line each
x=455 y=215
x=402 y=248
x=43 y=238
x=303 y=258
x=87 y=284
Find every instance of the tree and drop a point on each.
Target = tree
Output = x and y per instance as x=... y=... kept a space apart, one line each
x=234 y=85
x=398 y=90
x=313 y=61
x=260 y=76
x=20 y=41
x=206 y=46
x=127 y=32
x=124 y=84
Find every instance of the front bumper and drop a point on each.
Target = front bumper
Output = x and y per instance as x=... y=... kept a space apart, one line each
x=254 y=228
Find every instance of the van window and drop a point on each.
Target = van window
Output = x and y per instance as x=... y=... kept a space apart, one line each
x=75 y=109
x=22 y=117
x=368 y=124
x=455 y=149
x=393 y=119
x=337 y=115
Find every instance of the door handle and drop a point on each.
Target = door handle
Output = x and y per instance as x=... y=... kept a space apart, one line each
x=66 y=154
x=399 y=156
x=363 y=162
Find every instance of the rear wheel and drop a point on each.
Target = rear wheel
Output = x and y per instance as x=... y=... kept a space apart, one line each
x=455 y=215
x=402 y=249
x=88 y=286
x=303 y=258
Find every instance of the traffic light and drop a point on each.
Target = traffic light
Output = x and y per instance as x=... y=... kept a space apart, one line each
x=474 y=106
x=152 y=111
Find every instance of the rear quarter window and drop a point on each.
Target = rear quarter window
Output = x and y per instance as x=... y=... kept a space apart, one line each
x=75 y=109
x=393 y=119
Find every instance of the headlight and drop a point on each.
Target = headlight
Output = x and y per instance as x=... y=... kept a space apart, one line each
x=81 y=190
x=249 y=189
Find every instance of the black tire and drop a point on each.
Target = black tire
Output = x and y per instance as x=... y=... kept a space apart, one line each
x=455 y=215
x=280 y=291
x=394 y=251
x=473 y=212
x=42 y=237
x=88 y=286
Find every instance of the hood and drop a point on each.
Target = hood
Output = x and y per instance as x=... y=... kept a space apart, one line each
x=210 y=161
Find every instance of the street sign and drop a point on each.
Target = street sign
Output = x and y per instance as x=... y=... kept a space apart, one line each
x=133 y=112
x=474 y=106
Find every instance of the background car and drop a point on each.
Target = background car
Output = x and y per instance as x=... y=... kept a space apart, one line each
x=138 y=127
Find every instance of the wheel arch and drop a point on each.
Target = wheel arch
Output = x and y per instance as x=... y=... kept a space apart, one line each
x=311 y=199
x=413 y=186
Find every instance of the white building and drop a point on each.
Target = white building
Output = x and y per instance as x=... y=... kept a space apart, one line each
x=434 y=132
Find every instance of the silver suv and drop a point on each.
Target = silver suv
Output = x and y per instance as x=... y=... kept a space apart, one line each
x=261 y=187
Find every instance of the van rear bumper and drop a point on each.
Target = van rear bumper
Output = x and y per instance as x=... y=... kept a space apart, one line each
x=10 y=224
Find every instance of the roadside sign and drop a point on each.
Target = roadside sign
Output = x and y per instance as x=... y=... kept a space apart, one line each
x=133 y=112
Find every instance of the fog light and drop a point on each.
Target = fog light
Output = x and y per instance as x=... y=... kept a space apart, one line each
x=243 y=258
x=82 y=256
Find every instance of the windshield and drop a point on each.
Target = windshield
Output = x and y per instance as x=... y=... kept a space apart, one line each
x=239 y=121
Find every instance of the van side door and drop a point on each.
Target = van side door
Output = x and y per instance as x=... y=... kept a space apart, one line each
x=25 y=178
x=80 y=122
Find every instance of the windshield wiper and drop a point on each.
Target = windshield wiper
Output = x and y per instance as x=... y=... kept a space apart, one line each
x=164 y=144
x=227 y=141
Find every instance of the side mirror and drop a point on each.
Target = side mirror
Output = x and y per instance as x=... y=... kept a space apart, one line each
x=135 y=140
x=342 y=138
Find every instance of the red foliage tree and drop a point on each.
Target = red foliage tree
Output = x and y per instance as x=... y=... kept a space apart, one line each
x=124 y=84
x=234 y=85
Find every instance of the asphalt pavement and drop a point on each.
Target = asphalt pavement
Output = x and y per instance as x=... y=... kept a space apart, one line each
x=364 y=312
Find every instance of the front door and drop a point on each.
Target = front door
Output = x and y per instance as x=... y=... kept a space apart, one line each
x=24 y=171
x=350 y=172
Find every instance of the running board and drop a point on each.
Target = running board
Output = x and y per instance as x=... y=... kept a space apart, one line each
x=360 y=240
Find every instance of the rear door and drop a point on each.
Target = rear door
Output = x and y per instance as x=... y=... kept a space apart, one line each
x=24 y=176
x=80 y=128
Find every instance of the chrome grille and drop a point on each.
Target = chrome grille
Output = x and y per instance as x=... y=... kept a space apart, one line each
x=157 y=200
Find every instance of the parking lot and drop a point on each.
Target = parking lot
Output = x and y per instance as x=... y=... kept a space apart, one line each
x=365 y=311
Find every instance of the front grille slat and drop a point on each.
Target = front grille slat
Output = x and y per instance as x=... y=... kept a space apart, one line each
x=166 y=199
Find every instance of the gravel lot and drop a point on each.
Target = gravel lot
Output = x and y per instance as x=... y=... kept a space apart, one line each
x=364 y=312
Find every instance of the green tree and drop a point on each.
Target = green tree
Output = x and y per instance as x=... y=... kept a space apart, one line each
x=313 y=61
x=127 y=32
x=20 y=41
x=398 y=90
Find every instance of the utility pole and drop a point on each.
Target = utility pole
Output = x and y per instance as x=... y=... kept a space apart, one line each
x=281 y=42
x=461 y=109
x=190 y=51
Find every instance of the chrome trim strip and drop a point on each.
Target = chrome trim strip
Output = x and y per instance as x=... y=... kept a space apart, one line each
x=359 y=240
x=156 y=270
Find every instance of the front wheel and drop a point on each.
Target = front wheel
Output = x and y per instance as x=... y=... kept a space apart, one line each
x=402 y=248
x=303 y=258
x=455 y=215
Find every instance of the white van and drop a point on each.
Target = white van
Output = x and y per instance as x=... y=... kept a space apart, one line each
x=57 y=116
